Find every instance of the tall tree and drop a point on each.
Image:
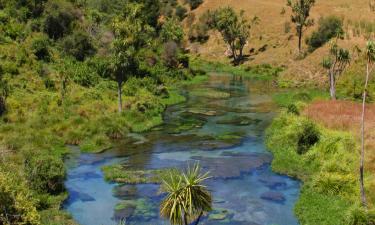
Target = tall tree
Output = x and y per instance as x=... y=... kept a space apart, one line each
x=3 y=93
x=132 y=33
x=187 y=198
x=370 y=59
x=300 y=16
x=335 y=64
x=234 y=28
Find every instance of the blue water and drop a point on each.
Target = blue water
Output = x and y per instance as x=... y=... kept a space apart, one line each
x=245 y=190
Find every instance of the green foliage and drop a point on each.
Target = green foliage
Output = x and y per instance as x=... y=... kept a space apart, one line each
x=187 y=198
x=40 y=47
x=328 y=170
x=329 y=27
x=45 y=173
x=287 y=97
x=194 y=3
x=235 y=29
x=199 y=30
x=172 y=31
x=59 y=18
x=79 y=45
x=259 y=72
x=307 y=137
x=181 y=12
x=300 y=16
x=17 y=203
x=357 y=215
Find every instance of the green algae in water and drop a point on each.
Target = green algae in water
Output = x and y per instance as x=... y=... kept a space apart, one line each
x=239 y=121
x=185 y=123
x=210 y=93
x=219 y=214
x=141 y=208
x=122 y=174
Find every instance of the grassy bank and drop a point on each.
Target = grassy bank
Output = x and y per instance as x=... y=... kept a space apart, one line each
x=259 y=72
x=325 y=160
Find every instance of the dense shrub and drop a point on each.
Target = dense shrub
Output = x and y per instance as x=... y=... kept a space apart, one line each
x=357 y=215
x=172 y=31
x=79 y=45
x=170 y=54
x=147 y=103
x=40 y=47
x=83 y=74
x=307 y=137
x=45 y=173
x=199 y=31
x=329 y=27
x=293 y=109
x=194 y=3
x=181 y=12
x=58 y=20
x=17 y=204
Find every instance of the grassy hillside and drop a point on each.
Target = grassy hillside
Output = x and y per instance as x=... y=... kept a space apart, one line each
x=278 y=35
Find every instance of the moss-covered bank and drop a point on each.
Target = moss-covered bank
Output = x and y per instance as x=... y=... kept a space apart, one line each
x=326 y=162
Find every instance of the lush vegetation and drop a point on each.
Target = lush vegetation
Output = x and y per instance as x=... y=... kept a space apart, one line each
x=87 y=73
x=67 y=68
x=329 y=27
x=325 y=160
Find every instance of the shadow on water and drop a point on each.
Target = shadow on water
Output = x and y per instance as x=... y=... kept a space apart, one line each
x=222 y=126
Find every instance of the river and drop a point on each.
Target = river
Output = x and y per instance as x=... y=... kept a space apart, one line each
x=224 y=134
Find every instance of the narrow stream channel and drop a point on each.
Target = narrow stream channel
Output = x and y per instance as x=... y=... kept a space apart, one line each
x=225 y=135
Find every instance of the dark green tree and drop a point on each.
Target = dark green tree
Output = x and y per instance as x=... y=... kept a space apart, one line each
x=300 y=16
x=132 y=34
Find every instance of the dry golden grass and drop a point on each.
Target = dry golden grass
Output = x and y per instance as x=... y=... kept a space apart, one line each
x=282 y=46
x=346 y=115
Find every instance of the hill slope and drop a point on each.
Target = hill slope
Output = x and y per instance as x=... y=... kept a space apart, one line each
x=276 y=33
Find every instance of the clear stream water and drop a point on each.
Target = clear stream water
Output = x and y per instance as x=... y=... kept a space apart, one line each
x=245 y=190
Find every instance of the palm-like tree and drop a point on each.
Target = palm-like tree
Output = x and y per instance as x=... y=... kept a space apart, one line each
x=370 y=59
x=336 y=63
x=187 y=198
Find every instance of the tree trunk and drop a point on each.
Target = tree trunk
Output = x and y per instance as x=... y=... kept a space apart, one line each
x=300 y=39
x=332 y=88
x=185 y=219
x=2 y=105
x=119 y=92
x=233 y=49
x=362 y=161
x=199 y=218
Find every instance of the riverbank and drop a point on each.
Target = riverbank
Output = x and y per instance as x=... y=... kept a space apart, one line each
x=325 y=159
x=87 y=118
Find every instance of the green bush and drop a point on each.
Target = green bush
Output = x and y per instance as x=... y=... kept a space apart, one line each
x=194 y=3
x=181 y=12
x=58 y=19
x=83 y=74
x=307 y=137
x=45 y=173
x=293 y=109
x=40 y=47
x=357 y=215
x=79 y=45
x=172 y=31
x=329 y=27
x=17 y=203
